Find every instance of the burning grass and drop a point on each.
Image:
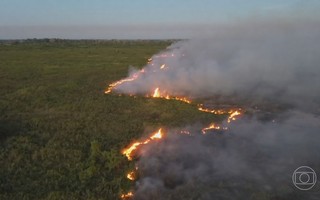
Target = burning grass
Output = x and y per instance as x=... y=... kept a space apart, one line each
x=62 y=137
x=60 y=133
x=158 y=93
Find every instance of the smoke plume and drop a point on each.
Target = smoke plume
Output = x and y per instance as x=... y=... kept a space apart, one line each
x=255 y=62
x=270 y=60
x=252 y=160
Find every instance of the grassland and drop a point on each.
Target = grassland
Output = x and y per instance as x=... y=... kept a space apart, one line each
x=60 y=135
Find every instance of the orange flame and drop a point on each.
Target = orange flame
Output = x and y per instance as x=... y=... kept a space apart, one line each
x=214 y=111
x=157 y=135
x=127 y=196
x=183 y=99
x=132 y=78
x=232 y=113
x=213 y=127
x=131 y=176
x=232 y=116
x=128 y=152
x=158 y=94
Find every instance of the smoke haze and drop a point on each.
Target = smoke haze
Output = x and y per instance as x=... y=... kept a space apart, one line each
x=252 y=158
x=254 y=61
x=276 y=60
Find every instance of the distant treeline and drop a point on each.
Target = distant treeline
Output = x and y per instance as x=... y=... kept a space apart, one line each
x=82 y=41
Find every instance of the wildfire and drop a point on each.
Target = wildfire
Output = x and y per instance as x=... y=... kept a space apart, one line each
x=157 y=135
x=134 y=76
x=158 y=94
x=127 y=196
x=131 y=78
x=128 y=152
x=214 y=111
x=183 y=99
x=232 y=116
x=232 y=113
x=131 y=175
x=213 y=127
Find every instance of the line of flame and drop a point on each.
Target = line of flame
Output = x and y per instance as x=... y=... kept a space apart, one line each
x=158 y=94
x=117 y=83
x=128 y=152
x=127 y=195
x=213 y=127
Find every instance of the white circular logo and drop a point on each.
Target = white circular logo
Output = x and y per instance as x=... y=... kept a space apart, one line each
x=304 y=178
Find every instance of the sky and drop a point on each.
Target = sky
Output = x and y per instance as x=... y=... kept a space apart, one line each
x=129 y=19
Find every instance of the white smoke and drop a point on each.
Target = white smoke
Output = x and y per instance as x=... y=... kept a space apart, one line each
x=276 y=60
x=252 y=157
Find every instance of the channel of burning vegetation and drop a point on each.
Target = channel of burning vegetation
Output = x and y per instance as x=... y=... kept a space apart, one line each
x=263 y=81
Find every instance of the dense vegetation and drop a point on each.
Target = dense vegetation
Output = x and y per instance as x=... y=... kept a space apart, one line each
x=60 y=135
